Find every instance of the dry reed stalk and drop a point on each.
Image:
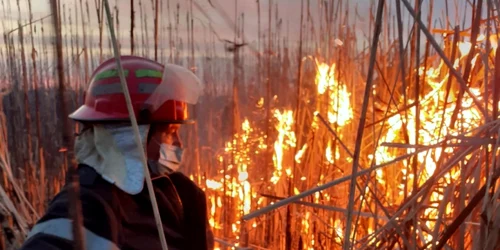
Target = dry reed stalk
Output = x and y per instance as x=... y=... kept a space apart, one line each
x=468 y=67
x=141 y=20
x=28 y=161
x=74 y=74
x=170 y=36
x=3 y=244
x=192 y=66
x=89 y=48
x=117 y=21
x=145 y=33
x=268 y=99
x=496 y=89
x=133 y=119
x=98 y=9
x=75 y=209
x=494 y=114
x=359 y=136
x=100 y=14
x=8 y=209
x=259 y=44
x=465 y=212
x=444 y=201
x=457 y=159
x=191 y=45
x=377 y=138
x=456 y=38
x=19 y=220
x=41 y=156
x=85 y=48
x=156 y=27
x=297 y=127
x=489 y=183
x=132 y=26
x=64 y=42
x=483 y=127
x=485 y=57
x=416 y=46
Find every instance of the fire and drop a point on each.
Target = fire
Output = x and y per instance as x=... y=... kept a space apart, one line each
x=324 y=77
x=430 y=132
x=464 y=48
x=237 y=153
x=300 y=154
x=434 y=125
x=286 y=139
x=329 y=153
x=338 y=231
x=260 y=103
x=214 y=185
x=339 y=110
x=239 y=181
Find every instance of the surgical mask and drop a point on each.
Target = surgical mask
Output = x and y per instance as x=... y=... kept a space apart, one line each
x=170 y=157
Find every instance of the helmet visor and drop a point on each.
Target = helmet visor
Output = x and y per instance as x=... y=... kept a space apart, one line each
x=178 y=84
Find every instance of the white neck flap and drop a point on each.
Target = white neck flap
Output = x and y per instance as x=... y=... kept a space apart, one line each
x=111 y=150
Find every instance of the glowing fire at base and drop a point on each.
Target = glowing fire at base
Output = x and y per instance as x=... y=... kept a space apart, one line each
x=235 y=190
x=241 y=189
x=435 y=124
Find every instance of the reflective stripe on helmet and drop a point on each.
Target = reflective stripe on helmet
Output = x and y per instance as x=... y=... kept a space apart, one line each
x=107 y=89
x=116 y=88
x=138 y=73
x=108 y=74
x=63 y=228
x=148 y=73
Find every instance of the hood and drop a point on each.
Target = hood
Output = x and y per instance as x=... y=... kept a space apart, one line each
x=111 y=150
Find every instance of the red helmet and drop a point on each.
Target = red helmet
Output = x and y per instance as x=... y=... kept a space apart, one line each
x=159 y=94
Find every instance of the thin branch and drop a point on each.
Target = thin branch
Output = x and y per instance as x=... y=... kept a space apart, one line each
x=359 y=136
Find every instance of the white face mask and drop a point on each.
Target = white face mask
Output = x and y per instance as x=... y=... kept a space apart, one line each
x=170 y=157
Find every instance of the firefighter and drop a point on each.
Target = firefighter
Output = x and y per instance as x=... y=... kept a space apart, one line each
x=115 y=205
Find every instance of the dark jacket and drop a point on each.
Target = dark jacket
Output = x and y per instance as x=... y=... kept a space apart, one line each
x=113 y=219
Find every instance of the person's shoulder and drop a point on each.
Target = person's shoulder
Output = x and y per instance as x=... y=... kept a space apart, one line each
x=91 y=187
x=86 y=175
x=94 y=193
x=181 y=181
x=180 y=177
x=96 y=208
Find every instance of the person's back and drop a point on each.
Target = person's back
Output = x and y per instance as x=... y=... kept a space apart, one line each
x=116 y=208
x=118 y=220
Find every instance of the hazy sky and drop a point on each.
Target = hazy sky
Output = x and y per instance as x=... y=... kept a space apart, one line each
x=206 y=15
x=289 y=11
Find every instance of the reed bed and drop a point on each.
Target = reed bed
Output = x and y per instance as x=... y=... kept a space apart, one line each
x=390 y=105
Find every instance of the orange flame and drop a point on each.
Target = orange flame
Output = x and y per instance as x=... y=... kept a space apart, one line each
x=339 y=110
